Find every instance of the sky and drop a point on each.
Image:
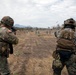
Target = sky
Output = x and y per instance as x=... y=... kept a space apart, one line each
x=38 y=13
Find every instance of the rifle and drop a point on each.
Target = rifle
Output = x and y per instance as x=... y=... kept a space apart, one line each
x=11 y=48
x=10 y=45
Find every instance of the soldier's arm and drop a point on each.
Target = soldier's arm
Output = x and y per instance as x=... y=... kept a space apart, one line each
x=57 y=33
x=9 y=37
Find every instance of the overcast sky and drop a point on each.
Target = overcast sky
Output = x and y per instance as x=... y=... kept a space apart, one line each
x=38 y=13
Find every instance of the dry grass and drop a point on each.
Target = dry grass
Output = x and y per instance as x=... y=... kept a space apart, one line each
x=32 y=56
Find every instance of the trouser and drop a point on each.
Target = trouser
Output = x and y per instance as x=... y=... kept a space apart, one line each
x=4 y=69
x=70 y=64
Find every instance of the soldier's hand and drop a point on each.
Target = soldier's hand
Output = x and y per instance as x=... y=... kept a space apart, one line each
x=55 y=55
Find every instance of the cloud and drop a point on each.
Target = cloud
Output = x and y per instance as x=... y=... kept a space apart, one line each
x=40 y=13
x=65 y=8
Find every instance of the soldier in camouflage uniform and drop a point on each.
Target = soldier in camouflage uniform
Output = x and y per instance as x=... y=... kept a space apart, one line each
x=65 y=56
x=6 y=38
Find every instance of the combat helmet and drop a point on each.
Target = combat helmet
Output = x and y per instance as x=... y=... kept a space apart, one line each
x=7 y=20
x=69 y=21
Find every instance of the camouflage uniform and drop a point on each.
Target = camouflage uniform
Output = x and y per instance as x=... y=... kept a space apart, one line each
x=6 y=38
x=64 y=57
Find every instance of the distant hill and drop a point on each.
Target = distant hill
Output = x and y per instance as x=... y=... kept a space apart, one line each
x=19 y=26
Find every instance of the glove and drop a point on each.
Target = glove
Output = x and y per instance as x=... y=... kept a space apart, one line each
x=55 y=55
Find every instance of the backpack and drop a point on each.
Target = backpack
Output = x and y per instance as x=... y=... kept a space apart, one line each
x=66 y=39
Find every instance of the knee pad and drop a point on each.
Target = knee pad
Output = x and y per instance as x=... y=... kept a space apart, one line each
x=57 y=64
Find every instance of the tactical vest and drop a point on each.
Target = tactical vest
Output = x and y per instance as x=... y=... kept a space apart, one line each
x=66 y=39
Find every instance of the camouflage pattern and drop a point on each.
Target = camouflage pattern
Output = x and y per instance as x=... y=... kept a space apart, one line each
x=5 y=38
x=70 y=65
x=7 y=20
x=57 y=64
x=55 y=55
x=63 y=35
x=66 y=40
x=4 y=68
x=67 y=33
x=69 y=21
x=67 y=56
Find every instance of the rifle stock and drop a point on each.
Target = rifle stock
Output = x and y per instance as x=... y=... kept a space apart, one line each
x=11 y=48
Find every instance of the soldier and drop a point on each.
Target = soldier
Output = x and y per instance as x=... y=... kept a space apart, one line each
x=6 y=38
x=65 y=53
